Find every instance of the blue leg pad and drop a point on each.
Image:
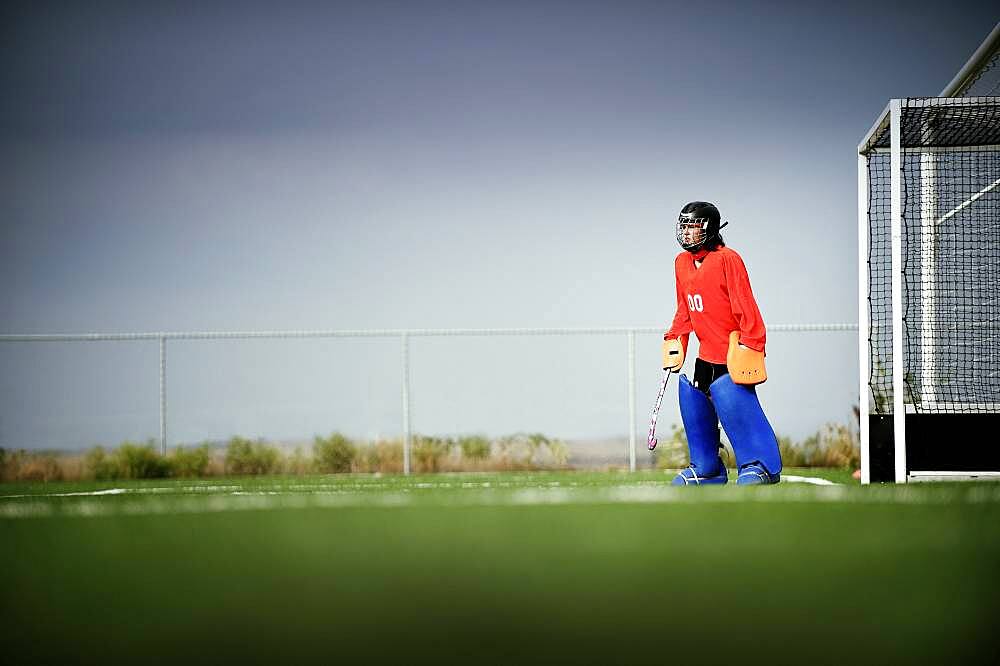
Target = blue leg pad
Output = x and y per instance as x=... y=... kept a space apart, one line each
x=746 y=425
x=701 y=425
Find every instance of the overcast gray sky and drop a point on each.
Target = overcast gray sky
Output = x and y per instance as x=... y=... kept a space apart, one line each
x=261 y=166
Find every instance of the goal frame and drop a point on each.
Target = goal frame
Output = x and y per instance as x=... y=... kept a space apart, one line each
x=891 y=120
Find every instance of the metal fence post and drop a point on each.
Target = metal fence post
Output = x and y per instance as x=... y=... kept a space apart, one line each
x=406 y=403
x=631 y=401
x=163 y=395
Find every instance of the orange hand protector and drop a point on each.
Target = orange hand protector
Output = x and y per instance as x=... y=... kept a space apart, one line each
x=746 y=366
x=673 y=355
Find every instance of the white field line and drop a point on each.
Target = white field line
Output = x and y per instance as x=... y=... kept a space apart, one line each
x=812 y=480
x=175 y=490
x=110 y=491
x=626 y=494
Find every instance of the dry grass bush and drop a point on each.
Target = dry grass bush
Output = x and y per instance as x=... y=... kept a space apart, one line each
x=141 y=461
x=22 y=465
x=383 y=455
x=429 y=453
x=131 y=461
x=334 y=454
x=530 y=451
x=41 y=468
x=72 y=465
x=298 y=463
x=100 y=465
x=244 y=457
x=190 y=462
x=474 y=447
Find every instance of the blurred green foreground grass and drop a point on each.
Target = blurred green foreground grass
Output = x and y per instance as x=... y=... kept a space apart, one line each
x=498 y=569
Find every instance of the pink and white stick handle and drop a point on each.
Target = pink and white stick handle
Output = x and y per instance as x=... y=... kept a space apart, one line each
x=651 y=439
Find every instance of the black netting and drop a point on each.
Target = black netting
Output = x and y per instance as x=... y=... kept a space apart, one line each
x=950 y=259
x=966 y=122
x=879 y=284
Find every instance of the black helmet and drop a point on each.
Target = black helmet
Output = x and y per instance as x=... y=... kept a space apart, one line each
x=705 y=220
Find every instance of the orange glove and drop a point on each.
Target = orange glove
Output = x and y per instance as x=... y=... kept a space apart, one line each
x=746 y=366
x=673 y=354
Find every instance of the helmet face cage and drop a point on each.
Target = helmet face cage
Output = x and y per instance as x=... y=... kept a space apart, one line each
x=692 y=232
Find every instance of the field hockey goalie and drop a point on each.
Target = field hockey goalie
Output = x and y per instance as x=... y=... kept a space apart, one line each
x=716 y=303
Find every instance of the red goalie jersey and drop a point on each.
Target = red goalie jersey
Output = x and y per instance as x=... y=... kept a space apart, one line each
x=713 y=300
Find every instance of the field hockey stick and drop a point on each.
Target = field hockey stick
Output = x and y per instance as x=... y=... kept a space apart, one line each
x=651 y=439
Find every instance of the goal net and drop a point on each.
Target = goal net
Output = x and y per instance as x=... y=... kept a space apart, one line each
x=929 y=252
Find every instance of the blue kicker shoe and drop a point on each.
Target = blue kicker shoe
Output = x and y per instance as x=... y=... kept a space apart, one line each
x=689 y=477
x=755 y=474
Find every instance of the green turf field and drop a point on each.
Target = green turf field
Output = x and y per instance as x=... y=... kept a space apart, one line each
x=568 y=567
